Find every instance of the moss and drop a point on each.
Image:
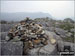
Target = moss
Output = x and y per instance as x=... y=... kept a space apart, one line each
x=69 y=39
x=66 y=26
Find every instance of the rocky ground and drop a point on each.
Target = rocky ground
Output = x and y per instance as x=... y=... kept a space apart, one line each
x=16 y=48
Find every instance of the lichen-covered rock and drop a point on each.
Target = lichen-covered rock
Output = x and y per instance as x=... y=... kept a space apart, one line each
x=11 y=48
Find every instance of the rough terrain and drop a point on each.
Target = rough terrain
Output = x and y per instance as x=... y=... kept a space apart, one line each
x=16 y=48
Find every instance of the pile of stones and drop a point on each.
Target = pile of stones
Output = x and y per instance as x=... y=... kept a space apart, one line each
x=30 y=33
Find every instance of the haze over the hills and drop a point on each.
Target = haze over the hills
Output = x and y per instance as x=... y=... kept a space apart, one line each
x=22 y=15
x=58 y=9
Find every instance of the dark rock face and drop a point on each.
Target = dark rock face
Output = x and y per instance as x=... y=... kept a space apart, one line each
x=11 y=48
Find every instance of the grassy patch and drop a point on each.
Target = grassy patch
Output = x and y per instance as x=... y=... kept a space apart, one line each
x=69 y=39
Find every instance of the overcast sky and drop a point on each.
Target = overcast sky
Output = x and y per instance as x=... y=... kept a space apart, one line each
x=58 y=9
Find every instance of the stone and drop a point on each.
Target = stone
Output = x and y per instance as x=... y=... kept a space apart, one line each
x=61 y=32
x=6 y=27
x=3 y=35
x=11 y=48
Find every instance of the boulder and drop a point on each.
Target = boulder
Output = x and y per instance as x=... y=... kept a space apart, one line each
x=11 y=48
x=61 y=32
x=47 y=49
x=3 y=35
x=61 y=45
x=6 y=27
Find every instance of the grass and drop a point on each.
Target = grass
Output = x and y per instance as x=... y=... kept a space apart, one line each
x=69 y=39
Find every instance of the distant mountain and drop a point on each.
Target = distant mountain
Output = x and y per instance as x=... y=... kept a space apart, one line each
x=22 y=15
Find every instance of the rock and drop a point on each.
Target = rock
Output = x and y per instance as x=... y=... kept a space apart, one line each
x=0 y=48
x=3 y=35
x=72 y=30
x=6 y=27
x=61 y=32
x=57 y=37
x=61 y=45
x=69 y=20
x=11 y=48
x=53 y=35
x=48 y=49
x=49 y=29
x=69 y=34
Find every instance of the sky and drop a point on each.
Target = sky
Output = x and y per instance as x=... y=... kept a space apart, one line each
x=58 y=9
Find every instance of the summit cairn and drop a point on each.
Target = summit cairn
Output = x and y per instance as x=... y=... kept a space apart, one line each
x=30 y=33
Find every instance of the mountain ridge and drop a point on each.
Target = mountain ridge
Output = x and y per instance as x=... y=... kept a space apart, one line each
x=17 y=16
